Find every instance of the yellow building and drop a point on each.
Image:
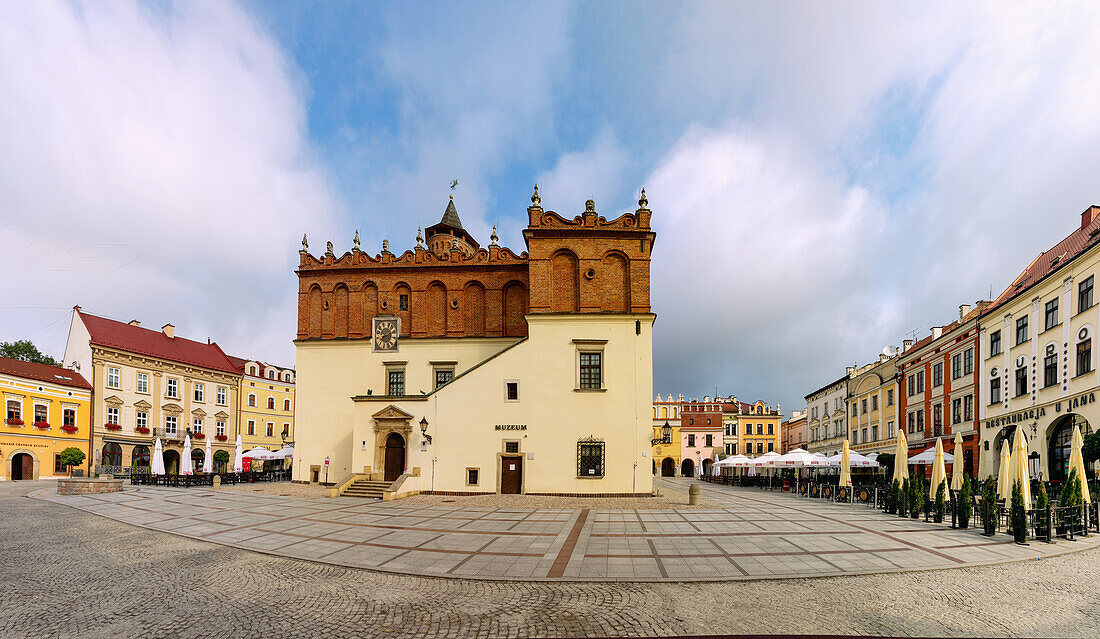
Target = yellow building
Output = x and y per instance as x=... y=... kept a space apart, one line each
x=266 y=404
x=873 y=405
x=666 y=441
x=46 y=410
x=150 y=385
x=757 y=426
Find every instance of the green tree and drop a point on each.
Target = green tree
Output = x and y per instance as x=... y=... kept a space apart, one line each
x=941 y=502
x=26 y=351
x=916 y=497
x=989 y=507
x=1018 y=514
x=72 y=457
x=964 y=505
x=892 y=498
x=1090 y=449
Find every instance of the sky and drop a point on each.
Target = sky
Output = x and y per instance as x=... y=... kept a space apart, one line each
x=826 y=179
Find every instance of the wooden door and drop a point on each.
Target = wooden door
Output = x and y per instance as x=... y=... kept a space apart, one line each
x=395 y=457
x=28 y=467
x=511 y=475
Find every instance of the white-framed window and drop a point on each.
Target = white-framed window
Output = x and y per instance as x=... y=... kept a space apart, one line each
x=113 y=376
x=142 y=385
x=219 y=428
x=286 y=405
x=271 y=429
x=173 y=388
x=196 y=425
x=252 y=370
x=170 y=424
x=511 y=391
x=252 y=400
x=286 y=429
x=270 y=403
x=200 y=392
x=112 y=415
x=141 y=419
x=221 y=395
x=15 y=410
x=251 y=427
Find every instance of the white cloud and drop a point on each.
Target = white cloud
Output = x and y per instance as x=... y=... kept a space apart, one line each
x=759 y=263
x=157 y=157
x=595 y=173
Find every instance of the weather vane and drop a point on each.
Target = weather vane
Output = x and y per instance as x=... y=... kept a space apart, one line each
x=454 y=185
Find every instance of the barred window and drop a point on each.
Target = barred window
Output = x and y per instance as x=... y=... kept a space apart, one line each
x=397 y=383
x=591 y=370
x=443 y=376
x=590 y=458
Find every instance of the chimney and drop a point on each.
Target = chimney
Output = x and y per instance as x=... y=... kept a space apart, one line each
x=963 y=310
x=906 y=345
x=936 y=332
x=169 y=331
x=135 y=323
x=1089 y=215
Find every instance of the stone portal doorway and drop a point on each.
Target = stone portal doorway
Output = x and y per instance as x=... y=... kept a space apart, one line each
x=511 y=475
x=171 y=462
x=668 y=467
x=687 y=468
x=395 y=457
x=22 y=466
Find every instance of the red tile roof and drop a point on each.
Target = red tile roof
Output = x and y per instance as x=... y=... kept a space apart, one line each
x=1054 y=258
x=43 y=373
x=134 y=339
x=239 y=362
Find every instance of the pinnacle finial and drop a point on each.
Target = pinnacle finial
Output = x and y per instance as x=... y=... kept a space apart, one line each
x=643 y=201
x=355 y=241
x=385 y=246
x=590 y=206
x=493 y=238
x=535 y=199
x=305 y=242
x=419 y=237
x=328 y=247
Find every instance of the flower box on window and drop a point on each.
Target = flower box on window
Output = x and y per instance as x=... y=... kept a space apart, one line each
x=221 y=438
x=69 y=428
x=113 y=426
x=198 y=435
x=144 y=430
x=15 y=421
x=42 y=425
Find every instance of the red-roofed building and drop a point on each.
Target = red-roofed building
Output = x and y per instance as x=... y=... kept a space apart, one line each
x=938 y=378
x=266 y=404
x=46 y=410
x=148 y=385
x=1037 y=362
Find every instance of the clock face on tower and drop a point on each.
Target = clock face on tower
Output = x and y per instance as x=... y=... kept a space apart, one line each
x=386 y=332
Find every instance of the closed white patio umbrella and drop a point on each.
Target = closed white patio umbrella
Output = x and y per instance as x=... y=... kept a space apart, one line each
x=208 y=460
x=158 y=458
x=1019 y=471
x=957 y=468
x=238 y=458
x=845 y=466
x=185 y=461
x=1077 y=462
x=1004 y=475
x=901 y=456
x=939 y=473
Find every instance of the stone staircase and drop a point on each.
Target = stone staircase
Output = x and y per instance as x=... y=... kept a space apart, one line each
x=366 y=489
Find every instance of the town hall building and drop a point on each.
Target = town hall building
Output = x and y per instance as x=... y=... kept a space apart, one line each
x=457 y=368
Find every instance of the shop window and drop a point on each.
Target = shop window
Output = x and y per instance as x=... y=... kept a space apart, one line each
x=590 y=458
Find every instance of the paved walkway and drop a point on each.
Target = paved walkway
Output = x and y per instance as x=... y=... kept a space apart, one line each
x=754 y=535
x=71 y=573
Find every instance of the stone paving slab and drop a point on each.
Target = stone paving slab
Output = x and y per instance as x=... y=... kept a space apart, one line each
x=753 y=535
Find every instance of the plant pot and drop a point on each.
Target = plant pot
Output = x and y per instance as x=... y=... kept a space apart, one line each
x=964 y=523
x=937 y=518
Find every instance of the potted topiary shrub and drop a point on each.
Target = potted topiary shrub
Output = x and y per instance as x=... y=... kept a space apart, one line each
x=72 y=457
x=1018 y=516
x=1069 y=501
x=941 y=503
x=1042 y=507
x=964 y=505
x=892 y=498
x=221 y=458
x=916 y=497
x=989 y=508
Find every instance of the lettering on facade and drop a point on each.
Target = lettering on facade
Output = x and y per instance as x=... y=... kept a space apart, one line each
x=1015 y=418
x=511 y=427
